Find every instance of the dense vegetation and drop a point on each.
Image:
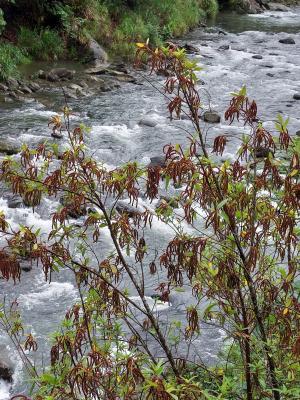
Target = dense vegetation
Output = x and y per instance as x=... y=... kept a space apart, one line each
x=234 y=246
x=48 y=30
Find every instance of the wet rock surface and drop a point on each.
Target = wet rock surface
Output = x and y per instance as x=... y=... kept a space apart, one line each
x=211 y=117
x=6 y=372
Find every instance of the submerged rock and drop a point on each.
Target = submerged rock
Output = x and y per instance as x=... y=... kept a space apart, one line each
x=224 y=47
x=296 y=96
x=257 y=57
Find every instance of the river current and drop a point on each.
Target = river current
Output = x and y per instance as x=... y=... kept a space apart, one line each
x=116 y=137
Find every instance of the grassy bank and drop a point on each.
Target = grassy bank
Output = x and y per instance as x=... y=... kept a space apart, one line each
x=56 y=29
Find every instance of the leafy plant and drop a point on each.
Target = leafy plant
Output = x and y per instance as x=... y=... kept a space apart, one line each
x=239 y=258
x=10 y=57
x=41 y=45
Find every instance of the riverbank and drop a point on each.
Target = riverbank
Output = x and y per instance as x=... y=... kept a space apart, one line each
x=63 y=31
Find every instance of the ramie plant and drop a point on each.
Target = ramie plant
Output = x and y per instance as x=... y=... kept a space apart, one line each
x=241 y=260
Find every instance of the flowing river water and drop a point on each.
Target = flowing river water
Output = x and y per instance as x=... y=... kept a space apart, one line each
x=116 y=137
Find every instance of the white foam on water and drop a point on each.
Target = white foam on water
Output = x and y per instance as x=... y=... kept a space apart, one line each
x=47 y=292
x=155 y=305
x=120 y=131
x=4 y=391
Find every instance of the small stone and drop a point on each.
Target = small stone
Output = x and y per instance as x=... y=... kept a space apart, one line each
x=212 y=117
x=15 y=201
x=12 y=83
x=57 y=135
x=270 y=75
x=6 y=372
x=296 y=96
x=288 y=40
x=263 y=152
x=25 y=89
x=34 y=86
x=224 y=47
x=41 y=74
x=3 y=87
x=257 y=57
x=26 y=266
x=298 y=133
x=157 y=161
x=190 y=49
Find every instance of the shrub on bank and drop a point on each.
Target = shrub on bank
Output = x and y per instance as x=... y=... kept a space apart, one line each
x=10 y=57
x=45 y=44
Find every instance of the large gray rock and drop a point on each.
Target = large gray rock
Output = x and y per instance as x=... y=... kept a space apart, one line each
x=277 y=7
x=9 y=146
x=97 y=55
x=248 y=7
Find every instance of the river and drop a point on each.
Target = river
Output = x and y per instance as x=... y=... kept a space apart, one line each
x=116 y=137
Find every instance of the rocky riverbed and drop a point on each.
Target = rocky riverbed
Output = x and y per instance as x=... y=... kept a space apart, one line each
x=129 y=121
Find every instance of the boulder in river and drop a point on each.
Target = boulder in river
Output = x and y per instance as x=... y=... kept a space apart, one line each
x=212 y=117
x=9 y=147
x=296 y=96
x=298 y=133
x=277 y=7
x=97 y=55
x=257 y=57
x=287 y=40
x=148 y=121
x=6 y=372
x=248 y=7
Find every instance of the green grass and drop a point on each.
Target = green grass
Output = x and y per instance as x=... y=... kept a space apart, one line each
x=43 y=45
x=10 y=57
